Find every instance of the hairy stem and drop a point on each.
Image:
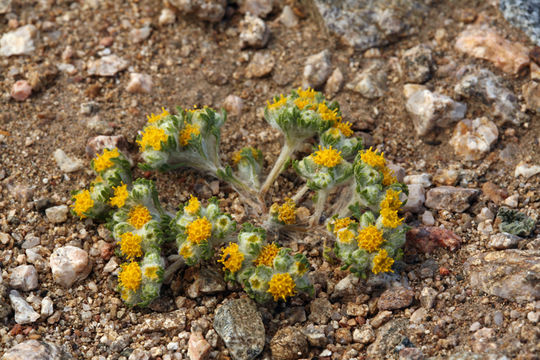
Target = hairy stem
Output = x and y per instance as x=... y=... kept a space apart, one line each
x=322 y=195
x=286 y=152
x=300 y=194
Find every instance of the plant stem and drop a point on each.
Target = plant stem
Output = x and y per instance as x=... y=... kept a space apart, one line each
x=322 y=195
x=300 y=194
x=286 y=152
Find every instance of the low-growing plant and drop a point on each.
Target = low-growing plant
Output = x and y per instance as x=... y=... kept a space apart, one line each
x=368 y=230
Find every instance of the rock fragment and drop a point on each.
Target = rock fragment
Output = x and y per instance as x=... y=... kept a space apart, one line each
x=24 y=278
x=320 y=311
x=5 y=6
x=315 y=335
x=387 y=338
x=371 y=82
x=523 y=14
x=65 y=163
x=415 y=199
x=450 y=198
x=240 y=326
x=526 y=170
x=417 y=63
x=515 y=222
x=253 y=32
x=139 y=35
x=288 y=344
x=57 y=214
x=317 y=69
x=427 y=297
x=108 y=65
x=18 y=42
x=334 y=83
x=198 y=347
x=35 y=350
x=473 y=139
x=426 y=239
x=364 y=335
x=502 y=241
x=260 y=65
x=484 y=42
x=531 y=93
x=69 y=264
x=139 y=83
x=288 y=17
x=206 y=10
x=259 y=8
x=24 y=313
x=21 y=90
x=430 y=110
x=166 y=17
x=395 y=298
x=97 y=144
x=233 y=105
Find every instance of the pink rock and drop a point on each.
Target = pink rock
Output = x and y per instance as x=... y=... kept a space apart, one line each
x=472 y=139
x=198 y=347
x=139 y=83
x=21 y=90
x=426 y=239
x=69 y=264
x=482 y=41
x=233 y=104
x=97 y=144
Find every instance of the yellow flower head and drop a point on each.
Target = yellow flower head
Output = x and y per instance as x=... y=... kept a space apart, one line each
x=155 y=118
x=153 y=137
x=187 y=133
x=281 y=285
x=309 y=93
x=391 y=201
x=382 y=263
x=277 y=103
x=373 y=159
x=231 y=258
x=301 y=267
x=199 y=230
x=302 y=102
x=287 y=212
x=130 y=276
x=345 y=236
x=138 y=216
x=388 y=176
x=267 y=255
x=83 y=202
x=328 y=114
x=186 y=250
x=327 y=157
x=342 y=224
x=120 y=195
x=151 y=272
x=130 y=245
x=237 y=156
x=103 y=161
x=345 y=128
x=390 y=218
x=193 y=205
x=370 y=238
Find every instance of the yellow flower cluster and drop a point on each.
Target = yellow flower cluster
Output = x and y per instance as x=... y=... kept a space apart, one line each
x=151 y=272
x=130 y=276
x=281 y=286
x=391 y=201
x=130 y=245
x=342 y=224
x=382 y=263
x=277 y=103
x=83 y=202
x=370 y=238
x=328 y=114
x=378 y=161
x=138 y=216
x=199 y=230
x=327 y=157
x=267 y=255
x=155 y=118
x=287 y=212
x=232 y=258
x=193 y=205
x=345 y=236
x=186 y=250
x=345 y=128
x=153 y=137
x=187 y=133
x=302 y=103
x=390 y=218
x=103 y=161
x=120 y=195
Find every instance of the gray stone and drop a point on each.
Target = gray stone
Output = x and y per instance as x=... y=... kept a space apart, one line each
x=365 y=24
x=430 y=110
x=30 y=241
x=108 y=65
x=415 y=199
x=334 y=83
x=381 y=318
x=526 y=170
x=260 y=65
x=99 y=126
x=346 y=287
x=472 y=139
x=388 y=337
x=207 y=282
x=24 y=277
x=315 y=335
x=139 y=83
x=253 y=32
x=317 y=69
x=515 y=222
x=288 y=17
x=450 y=198
x=36 y=350
x=418 y=316
x=531 y=93
x=510 y=274
x=170 y=322
x=395 y=298
x=18 y=42
x=65 y=163
x=371 y=82
x=24 y=313
x=139 y=35
x=288 y=344
x=206 y=10
x=57 y=214
x=428 y=219
x=47 y=307
x=120 y=343
x=486 y=87
x=5 y=6
x=422 y=179
x=69 y=264
x=320 y=311
x=233 y=105
x=417 y=63
x=364 y=335
x=503 y=241
x=427 y=297
x=523 y=14
x=240 y=326
x=259 y=8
